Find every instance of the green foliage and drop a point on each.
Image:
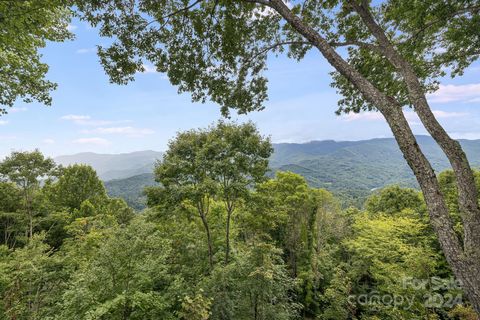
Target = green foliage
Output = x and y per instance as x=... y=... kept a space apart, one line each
x=218 y=50
x=128 y=277
x=448 y=186
x=131 y=189
x=335 y=298
x=26 y=169
x=26 y=28
x=393 y=199
x=351 y=170
x=295 y=254
x=219 y=163
x=11 y=220
x=255 y=285
x=196 y=308
x=76 y=184
x=33 y=282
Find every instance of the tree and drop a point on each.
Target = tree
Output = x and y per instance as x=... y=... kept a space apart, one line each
x=183 y=175
x=299 y=220
x=255 y=285
x=10 y=220
x=238 y=160
x=221 y=162
x=76 y=184
x=387 y=251
x=26 y=28
x=127 y=279
x=394 y=199
x=26 y=170
x=218 y=49
x=35 y=280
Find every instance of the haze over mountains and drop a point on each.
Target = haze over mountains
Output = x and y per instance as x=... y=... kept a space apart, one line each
x=115 y=166
x=351 y=169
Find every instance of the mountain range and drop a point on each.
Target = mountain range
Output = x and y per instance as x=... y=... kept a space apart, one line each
x=115 y=166
x=350 y=169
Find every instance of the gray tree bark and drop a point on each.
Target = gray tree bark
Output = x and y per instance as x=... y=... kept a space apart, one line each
x=462 y=257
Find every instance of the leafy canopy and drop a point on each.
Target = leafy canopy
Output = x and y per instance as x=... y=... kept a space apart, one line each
x=218 y=49
x=26 y=26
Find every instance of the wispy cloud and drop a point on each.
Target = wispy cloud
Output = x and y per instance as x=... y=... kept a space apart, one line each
x=411 y=116
x=3 y=122
x=367 y=115
x=92 y=141
x=446 y=114
x=456 y=93
x=86 y=50
x=129 y=131
x=17 y=109
x=71 y=27
x=75 y=117
x=86 y=120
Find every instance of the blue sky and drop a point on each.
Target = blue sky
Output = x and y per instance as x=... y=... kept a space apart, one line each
x=90 y=114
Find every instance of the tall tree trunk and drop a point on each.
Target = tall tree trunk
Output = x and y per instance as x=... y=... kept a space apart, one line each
x=227 y=238
x=230 y=208
x=465 y=266
x=466 y=269
x=467 y=189
x=209 y=239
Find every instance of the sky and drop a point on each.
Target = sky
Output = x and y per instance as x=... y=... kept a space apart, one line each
x=90 y=114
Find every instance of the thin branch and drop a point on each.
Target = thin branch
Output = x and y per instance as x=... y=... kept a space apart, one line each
x=273 y=46
x=430 y=24
x=175 y=12
x=264 y=2
x=360 y=44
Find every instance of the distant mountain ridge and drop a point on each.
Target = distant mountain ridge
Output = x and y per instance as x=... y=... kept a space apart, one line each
x=350 y=169
x=115 y=166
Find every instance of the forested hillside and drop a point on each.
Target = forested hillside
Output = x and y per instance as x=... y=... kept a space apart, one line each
x=224 y=225
x=349 y=169
x=219 y=240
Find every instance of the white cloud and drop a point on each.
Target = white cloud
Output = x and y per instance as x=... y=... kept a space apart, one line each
x=465 y=135
x=3 y=122
x=446 y=114
x=129 y=131
x=455 y=93
x=92 y=141
x=71 y=27
x=48 y=141
x=85 y=50
x=367 y=115
x=411 y=116
x=17 y=109
x=149 y=68
x=86 y=120
x=75 y=117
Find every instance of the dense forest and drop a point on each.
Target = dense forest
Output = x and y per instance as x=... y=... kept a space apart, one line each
x=351 y=170
x=219 y=240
